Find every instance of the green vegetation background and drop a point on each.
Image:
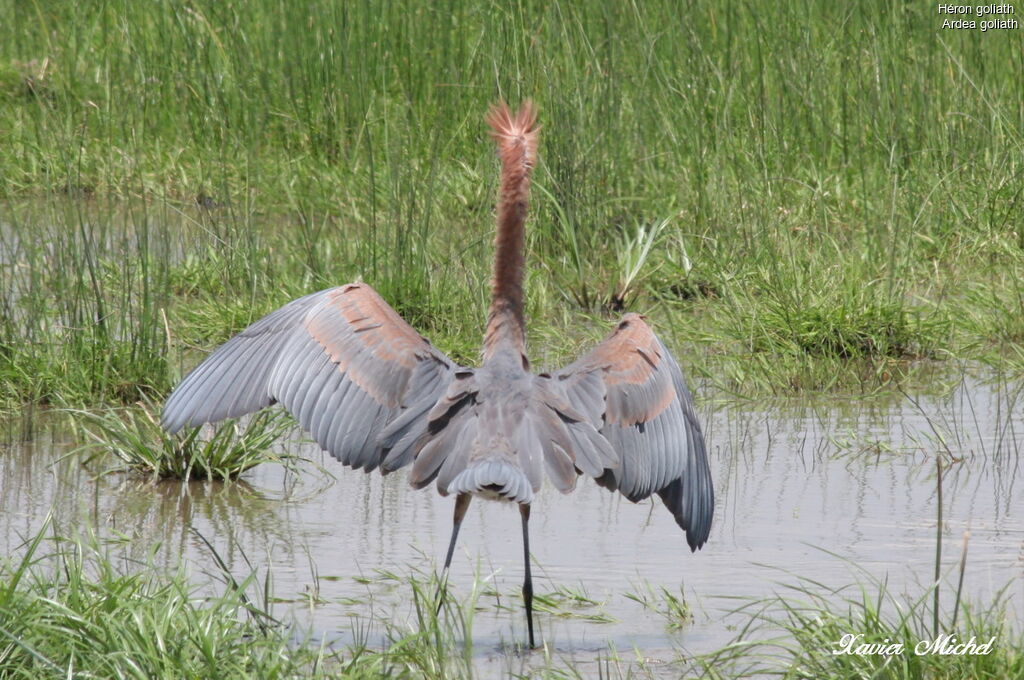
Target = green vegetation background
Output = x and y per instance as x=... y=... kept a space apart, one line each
x=804 y=195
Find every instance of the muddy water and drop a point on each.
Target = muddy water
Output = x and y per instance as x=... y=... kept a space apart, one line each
x=793 y=486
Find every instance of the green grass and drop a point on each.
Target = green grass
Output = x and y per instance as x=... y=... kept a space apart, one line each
x=804 y=197
x=796 y=632
x=78 y=607
x=674 y=608
x=67 y=610
x=134 y=437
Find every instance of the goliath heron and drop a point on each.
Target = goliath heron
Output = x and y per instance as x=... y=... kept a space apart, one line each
x=376 y=394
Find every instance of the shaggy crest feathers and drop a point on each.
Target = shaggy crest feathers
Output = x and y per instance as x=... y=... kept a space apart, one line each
x=516 y=136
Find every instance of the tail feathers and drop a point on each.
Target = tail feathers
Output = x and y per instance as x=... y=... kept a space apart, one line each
x=493 y=479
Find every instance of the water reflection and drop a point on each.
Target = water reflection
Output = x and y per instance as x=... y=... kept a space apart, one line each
x=794 y=483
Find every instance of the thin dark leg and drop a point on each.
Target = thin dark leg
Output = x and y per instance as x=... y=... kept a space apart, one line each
x=461 y=505
x=524 y=510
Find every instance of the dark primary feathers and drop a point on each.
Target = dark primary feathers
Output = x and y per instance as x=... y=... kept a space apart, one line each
x=374 y=393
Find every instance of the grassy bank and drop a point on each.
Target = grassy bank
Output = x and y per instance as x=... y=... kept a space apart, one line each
x=805 y=197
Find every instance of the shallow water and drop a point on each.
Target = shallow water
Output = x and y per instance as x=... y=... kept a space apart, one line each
x=810 y=490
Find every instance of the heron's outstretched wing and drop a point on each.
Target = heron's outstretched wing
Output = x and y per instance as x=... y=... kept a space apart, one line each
x=633 y=391
x=341 y=361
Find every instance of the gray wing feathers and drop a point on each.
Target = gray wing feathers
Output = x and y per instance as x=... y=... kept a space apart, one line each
x=342 y=418
x=488 y=435
x=632 y=389
x=455 y=447
x=649 y=461
x=240 y=367
x=404 y=435
x=341 y=361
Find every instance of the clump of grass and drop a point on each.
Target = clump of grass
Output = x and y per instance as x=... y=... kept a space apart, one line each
x=135 y=437
x=633 y=255
x=809 y=318
x=424 y=644
x=836 y=328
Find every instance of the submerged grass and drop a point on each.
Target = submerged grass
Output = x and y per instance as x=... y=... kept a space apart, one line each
x=674 y=608
x=808 y=197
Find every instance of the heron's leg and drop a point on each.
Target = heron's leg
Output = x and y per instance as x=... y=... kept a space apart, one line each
x=524 y=510
x=461 y=505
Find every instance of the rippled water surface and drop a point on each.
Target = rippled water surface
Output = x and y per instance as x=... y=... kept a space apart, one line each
x=811 y=490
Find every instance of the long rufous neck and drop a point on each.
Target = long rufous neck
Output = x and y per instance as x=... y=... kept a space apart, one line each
x=516 y=136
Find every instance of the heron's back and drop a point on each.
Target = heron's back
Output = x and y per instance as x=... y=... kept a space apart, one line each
x=490 y=435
